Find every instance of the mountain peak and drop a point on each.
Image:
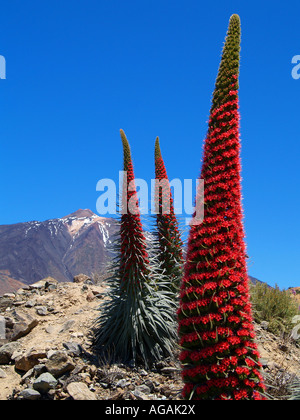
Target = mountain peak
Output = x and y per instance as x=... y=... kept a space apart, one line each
x=80 y=213
x=59 y=248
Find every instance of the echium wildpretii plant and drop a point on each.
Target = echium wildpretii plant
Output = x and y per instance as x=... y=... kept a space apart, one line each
x=218 y=352
x=136 y=322
x=169 y=248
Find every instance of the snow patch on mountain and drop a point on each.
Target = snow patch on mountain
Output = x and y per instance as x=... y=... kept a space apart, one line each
x=104 y=232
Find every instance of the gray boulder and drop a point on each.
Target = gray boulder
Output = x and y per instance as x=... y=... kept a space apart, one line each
x=23 y=324
x=59 y=363
x=44 y=383
x=2 y=328
x=6 y=352
x=29 y=394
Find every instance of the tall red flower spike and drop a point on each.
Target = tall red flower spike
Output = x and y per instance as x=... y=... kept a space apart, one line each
x=219 y=355
x=170 y=245
x=136 y=323
x=134 y=256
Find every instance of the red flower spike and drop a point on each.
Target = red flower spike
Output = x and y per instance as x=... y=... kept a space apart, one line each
x=133 y=242
x=219 y=355
x=170 y=245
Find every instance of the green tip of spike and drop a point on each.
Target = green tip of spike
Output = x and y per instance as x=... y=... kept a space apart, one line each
x=235 y=18
x=157 y=148
x=227 y=79
x=126 y=150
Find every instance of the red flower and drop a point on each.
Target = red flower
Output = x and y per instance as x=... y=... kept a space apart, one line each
x=215 y=320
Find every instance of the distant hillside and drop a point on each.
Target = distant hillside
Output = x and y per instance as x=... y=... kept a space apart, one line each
x=254 y=280
x=295 y=293
x=60 y=248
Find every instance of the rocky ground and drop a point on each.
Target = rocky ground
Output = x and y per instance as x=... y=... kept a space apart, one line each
x=45 y=338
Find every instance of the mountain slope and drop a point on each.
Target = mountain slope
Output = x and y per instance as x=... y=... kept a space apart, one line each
x=60 y=248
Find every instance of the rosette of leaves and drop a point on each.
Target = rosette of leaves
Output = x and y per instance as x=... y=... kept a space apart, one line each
x=136 y=321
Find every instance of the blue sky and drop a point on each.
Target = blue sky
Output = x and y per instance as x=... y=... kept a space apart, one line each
x=79 y=71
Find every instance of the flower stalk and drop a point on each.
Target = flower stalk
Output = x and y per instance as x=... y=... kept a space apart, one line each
x=219 y=355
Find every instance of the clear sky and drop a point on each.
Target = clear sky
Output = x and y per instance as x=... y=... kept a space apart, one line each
x=78 y=71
